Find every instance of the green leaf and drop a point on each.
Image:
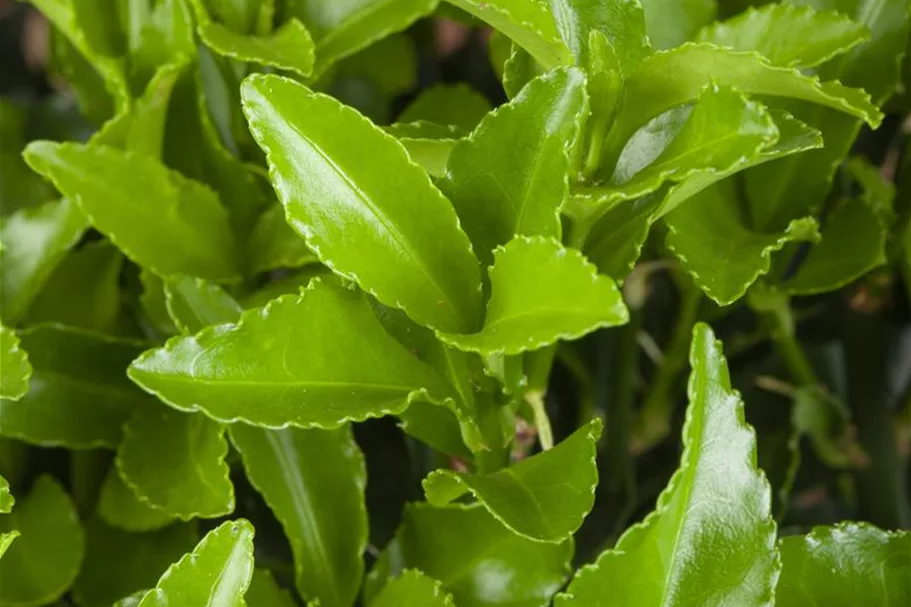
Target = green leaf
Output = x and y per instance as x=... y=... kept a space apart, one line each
x=6 y=499
x=428 y=145
x=389 y=64
x=51 y=538
x=541 y=293
x=670 y=23
x=15 y=368
x=670 y=78
x=290 y=47
x=20 y=188
x=616 y=239
x=849 y=564
x=322 y=359
x=410 y=251
x=175 y=462
x=34 y=242
x=622 y=23
x=118 y=563
x=543 y=498
x=274 y=245
x=78 y=395
x=264 y=591
x=215 y=574
x=710 y=227
x=157 y=217
x=413 y=588
x=527 y=573
x=6 y=540
x=711 y=538
x=451 y=104
x=83 y=291
x=529 y=23
x=853 y=242
x=788 y=35
x=195 y=304
x=313 y=480
x=501 y=191
x=120 y=507
x=342 y=29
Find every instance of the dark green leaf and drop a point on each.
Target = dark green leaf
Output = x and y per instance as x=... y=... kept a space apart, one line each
x=410 y=252
x=413 y=588
x=314 y=482
x=15 y=369
x=450 y=104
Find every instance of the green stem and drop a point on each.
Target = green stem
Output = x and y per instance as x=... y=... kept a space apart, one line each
x=490 y=421
x=535 y=400
x=655 y=420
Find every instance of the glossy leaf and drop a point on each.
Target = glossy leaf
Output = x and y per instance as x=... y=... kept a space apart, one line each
x=711 y=538
x=78 y=395
x=543 y=498
x=413 y=588
x=527 y=574
x=194 y=304
x=795 y=36
x=500 y=191
x=621 y=22
x=216 y=573
x=120 y=507
x=530 y=24
x=450 y=104
x=720 y=252
x=541 y=293
x=274 y=245
x=174 y=461
x=50 y=534
x=34 y=242
x=428 y=145
x=411 y=252
x=183 y=230
x=670 y=23
x=323 y=359
x=118 y=563
x=15 y=369
x=849 y=564
x=290 y=47
x=313 y=480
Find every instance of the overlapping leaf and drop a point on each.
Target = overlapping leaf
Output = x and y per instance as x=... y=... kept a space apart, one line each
x=274 y=245
x=15 y=369
x=195 y=304
x=120 y=507
x=455 y=105
x=413 y=588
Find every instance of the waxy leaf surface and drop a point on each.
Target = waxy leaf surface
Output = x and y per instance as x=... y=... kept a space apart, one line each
x=544 y=497
x=428 y=145
x=157 y=217
x=711 y=539
x=41 y=564
x=313 y=480
x=380 y=223
x=413 y=588
x=15 y=369
x=541 y=293
x=322 y=359
x=849 y=564
x=215 y=574
x=274 y=245
x=195 y=304
x=621 y=22
x=290 y=47
x=501 y=191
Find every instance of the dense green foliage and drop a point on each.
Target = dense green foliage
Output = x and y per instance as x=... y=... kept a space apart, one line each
x=607 y=303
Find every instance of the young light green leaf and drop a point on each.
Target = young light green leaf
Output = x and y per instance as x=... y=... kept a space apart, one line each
x=543 y=498
x=711 y=538
x=290 y=47
x=121 y=508
x=428 y=145
x=670 y=78
x=118 y=563
x=413 y=588
x=622 y=23
x=6 y=540
x=849 y=564
x=451 y=104
x=195 y=304
x=314 y=482
x=15 y=368
x=273 y=244
x=541 y=293
x=853 y=242
x=265 y=592
x=670 y=23
x=215 y=574
x=342 y=29
x=322 y=359
x=527 y=573
x=157 y=217
x=175 y=462
x=78 y=395
x=501 y=191
x=788 y=35
x=528 y=23
x=723 y=255
x=34 y=241
x=6 y=499
x=410 y=252
x=83 y=291
x=40 y=566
